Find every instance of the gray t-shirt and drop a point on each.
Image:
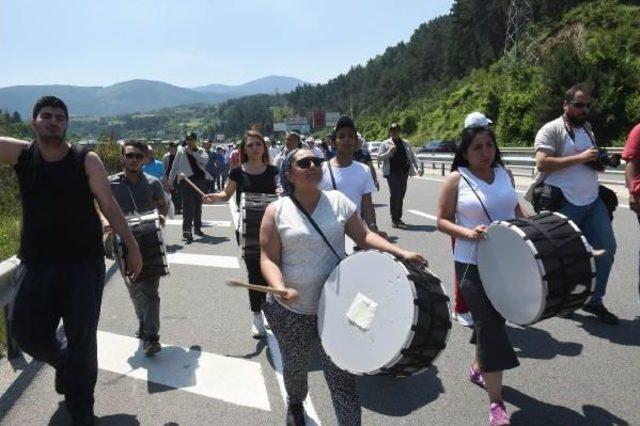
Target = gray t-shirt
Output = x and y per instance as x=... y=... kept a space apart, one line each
x=145 y=193
x=306 y=261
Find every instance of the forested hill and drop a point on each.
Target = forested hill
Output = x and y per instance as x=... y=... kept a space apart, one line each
x=452 y=65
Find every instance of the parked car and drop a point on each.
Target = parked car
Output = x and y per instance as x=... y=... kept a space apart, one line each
x=438 y=146
x=373 y=147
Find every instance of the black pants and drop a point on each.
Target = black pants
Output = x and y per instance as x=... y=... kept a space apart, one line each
x=494 y=351
x=398 y=188
x=72 y=292
x=175 y=196
x=256 y=298
x=191 y=205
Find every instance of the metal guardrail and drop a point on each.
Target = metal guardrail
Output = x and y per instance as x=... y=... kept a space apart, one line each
x=516 y=162
x=7 y=293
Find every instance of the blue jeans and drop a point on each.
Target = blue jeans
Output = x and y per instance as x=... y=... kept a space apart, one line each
x=593 y=221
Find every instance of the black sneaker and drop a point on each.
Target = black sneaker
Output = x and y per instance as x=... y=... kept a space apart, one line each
x=140 y=332
x=295 y=415
x=602 y=313
x=151 y=346
x=59 y=385
x=401 y=223
x=198 y=232
x=187 y=236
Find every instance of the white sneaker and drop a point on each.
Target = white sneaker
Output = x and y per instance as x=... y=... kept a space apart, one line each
x=465 y=319
x=257 y=328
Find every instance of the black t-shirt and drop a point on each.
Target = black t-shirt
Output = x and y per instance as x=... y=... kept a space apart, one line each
x=264 y=183
x=399 y=162
x=197 y=171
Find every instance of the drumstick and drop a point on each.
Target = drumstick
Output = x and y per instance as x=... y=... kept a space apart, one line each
x=261 y=288
x=193 y=185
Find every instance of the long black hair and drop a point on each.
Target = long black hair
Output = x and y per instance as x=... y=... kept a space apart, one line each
x=468 y=134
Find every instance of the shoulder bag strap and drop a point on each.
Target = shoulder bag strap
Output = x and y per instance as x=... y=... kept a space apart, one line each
x=315 y=225
x=333 y=180
x=478 y=197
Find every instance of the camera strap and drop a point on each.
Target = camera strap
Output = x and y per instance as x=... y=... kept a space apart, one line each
x=572 y=134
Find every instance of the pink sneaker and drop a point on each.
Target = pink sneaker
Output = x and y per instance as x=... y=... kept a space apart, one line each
x=498 y=414
x=475 y=376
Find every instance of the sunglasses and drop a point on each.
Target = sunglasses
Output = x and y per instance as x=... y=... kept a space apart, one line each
x=132 y=155
x=305 y=163
x=581 y=105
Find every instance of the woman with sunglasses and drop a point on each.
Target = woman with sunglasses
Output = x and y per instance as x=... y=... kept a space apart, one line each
x=255 y=175
x=296 y=259
x=478 y=191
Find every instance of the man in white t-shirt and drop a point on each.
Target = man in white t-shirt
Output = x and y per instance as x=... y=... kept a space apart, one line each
x=565 y=154
x=350 y=177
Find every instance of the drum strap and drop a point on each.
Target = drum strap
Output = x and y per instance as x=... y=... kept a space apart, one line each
x=478 y=197
x=315 y=225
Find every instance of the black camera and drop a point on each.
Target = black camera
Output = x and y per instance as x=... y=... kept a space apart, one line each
x=604 y=160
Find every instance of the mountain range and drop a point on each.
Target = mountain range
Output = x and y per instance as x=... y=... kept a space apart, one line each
x=136 y=95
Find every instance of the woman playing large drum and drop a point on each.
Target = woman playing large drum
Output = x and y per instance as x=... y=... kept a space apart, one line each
x=254 y=175
x=478 y=191
x=296 y=258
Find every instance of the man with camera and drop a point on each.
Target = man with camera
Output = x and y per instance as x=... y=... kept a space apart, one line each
x=568 y=162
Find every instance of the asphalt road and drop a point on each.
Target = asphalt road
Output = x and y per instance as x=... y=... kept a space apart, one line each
x=211 y=372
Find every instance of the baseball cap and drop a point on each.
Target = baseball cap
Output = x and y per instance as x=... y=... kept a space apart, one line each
x=191 y=136
x=394 y=126
x=477 y=119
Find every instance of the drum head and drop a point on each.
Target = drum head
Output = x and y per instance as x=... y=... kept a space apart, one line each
x=366 y=312
x=511 y=275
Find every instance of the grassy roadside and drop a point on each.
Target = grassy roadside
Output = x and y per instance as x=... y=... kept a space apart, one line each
x=9 y=228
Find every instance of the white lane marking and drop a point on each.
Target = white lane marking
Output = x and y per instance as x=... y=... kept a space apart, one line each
x=233 y=380
x=205 y=223
x=204 y=260
x=419 y=213
x=311 y=415
x=429 y=179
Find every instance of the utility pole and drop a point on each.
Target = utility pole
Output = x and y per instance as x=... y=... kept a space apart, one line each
x=519 y=18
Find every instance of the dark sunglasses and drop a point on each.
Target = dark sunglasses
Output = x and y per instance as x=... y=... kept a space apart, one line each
x=581 y=105
x=305 y=163
x=132 y=155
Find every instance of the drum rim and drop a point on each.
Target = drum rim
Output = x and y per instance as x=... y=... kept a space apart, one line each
x=416 y=313
x=545 y=286
x=540 y=263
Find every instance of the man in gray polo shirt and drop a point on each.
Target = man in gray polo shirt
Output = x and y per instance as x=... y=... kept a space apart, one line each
x=136 y=191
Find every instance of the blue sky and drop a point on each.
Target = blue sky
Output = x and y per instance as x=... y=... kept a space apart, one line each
x=196 y=42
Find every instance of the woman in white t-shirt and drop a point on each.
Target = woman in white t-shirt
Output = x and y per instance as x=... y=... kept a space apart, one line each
x=296 y=259
x=478 y=191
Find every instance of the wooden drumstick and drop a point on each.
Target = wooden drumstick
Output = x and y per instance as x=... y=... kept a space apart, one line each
x=263 y=289
x=193 y=185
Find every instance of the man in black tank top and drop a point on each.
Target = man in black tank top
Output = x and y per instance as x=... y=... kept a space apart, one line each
x=61 y=275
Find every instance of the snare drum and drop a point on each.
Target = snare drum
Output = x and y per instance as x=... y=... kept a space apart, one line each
x=252 y=207
x=147 y=231
x=536 y=268
x=382 y=315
